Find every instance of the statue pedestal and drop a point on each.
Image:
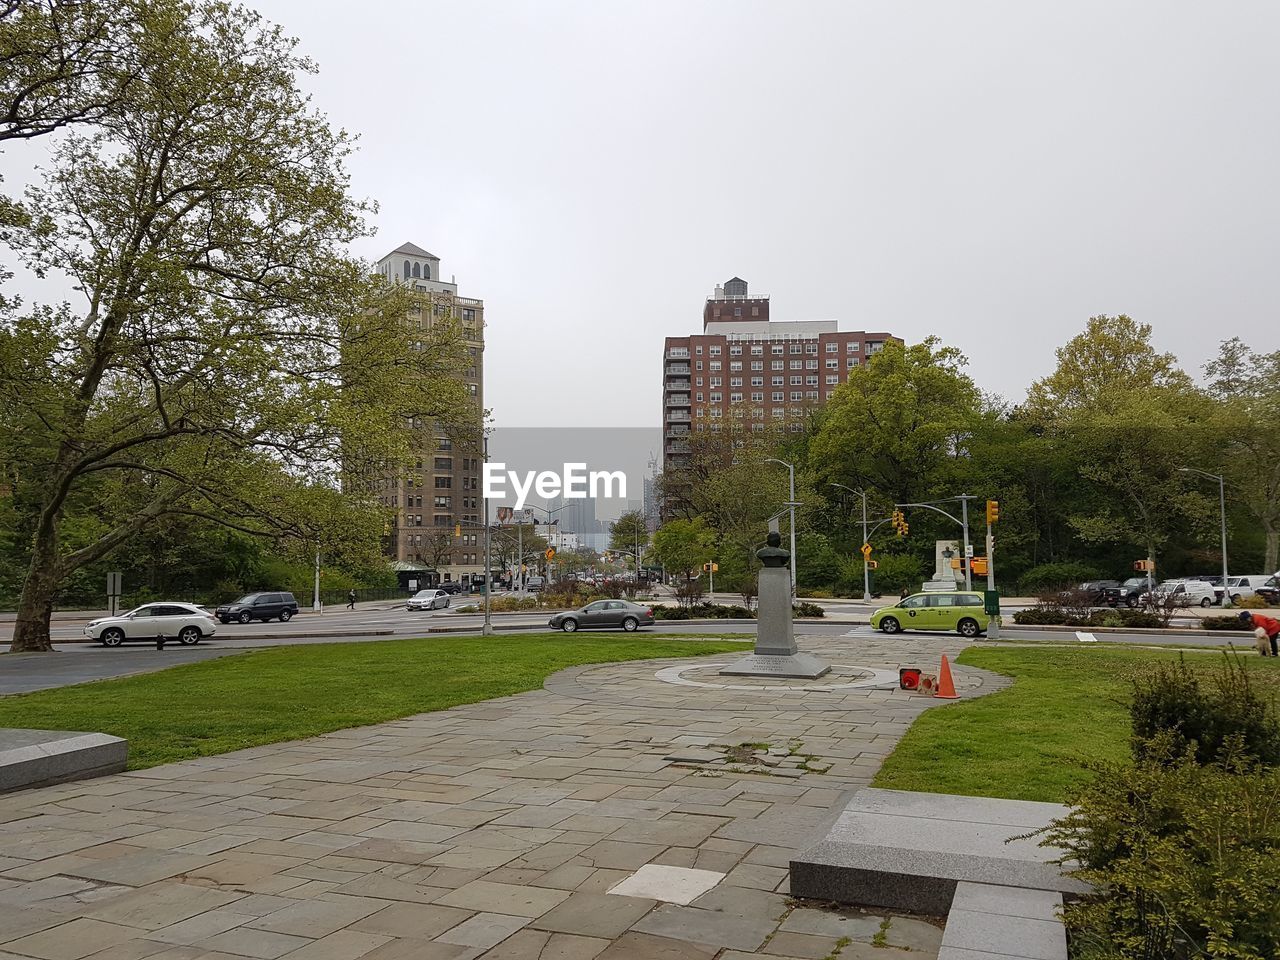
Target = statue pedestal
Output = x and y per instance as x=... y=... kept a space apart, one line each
x=776 y=654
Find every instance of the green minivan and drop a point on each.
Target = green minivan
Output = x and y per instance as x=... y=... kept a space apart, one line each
x=961 y=612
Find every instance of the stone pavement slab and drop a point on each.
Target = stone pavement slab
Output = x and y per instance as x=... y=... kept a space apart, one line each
x=490 y=830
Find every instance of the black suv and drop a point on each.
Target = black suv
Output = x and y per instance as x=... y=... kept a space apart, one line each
x=259 y=606
x=1098 y=592
x=450 y=586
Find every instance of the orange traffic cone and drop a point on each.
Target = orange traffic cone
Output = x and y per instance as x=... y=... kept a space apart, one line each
x=946 y=686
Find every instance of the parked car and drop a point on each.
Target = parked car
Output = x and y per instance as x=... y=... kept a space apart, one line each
x=1128 y=593
x=429 y=599
x=1270 y=591
x=1248 y=585
x=1098 y=591
x=961 y=612
x=186 y=622
x=604 y=613
x=534 y=584
x=450 y=587
x=1186 y=593
x=259 y=606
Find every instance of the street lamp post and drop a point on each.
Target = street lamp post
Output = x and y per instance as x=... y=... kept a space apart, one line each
x=487 y=629
x=1222 y=514
x=866 y=570
x=791 y=517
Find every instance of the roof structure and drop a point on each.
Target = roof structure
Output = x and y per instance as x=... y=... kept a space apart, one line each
x=413 y=250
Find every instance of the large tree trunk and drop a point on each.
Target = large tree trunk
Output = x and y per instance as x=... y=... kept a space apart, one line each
x=1273 y=548
x=35 y=606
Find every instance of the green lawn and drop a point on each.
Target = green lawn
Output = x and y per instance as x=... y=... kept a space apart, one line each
x=1030 y=741
x=286 y=693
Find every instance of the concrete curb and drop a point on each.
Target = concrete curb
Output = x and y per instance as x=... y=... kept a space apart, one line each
x=310 y=635
x=1138 y=631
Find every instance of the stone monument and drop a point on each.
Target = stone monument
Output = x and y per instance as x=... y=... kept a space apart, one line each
x=776 y=654
x=944 y=576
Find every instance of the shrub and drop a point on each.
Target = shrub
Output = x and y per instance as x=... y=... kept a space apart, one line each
x=1141 y=619
x=1105 y=618
x=818 y=594
x=806 y=609
x=1055 y=576
x=1040 y=616
x=1204 y=719
x=1183 y=856
x=1225 y=623
x=703 y=611
x=1252 y=602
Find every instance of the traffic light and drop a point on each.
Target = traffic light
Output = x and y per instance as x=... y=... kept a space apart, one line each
x=900 y=523
x=993 y=511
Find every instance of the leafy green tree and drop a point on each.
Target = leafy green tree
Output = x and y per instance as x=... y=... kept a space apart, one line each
x=1127 y=417
x=899 y=425
x=683 y=546
x=1246 y=386
x=629 y=533
x=229 y=361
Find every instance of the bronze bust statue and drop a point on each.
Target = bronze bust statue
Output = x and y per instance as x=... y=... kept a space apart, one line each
x=773 y=555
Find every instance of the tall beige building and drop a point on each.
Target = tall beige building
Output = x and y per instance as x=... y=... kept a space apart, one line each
x=437 y=531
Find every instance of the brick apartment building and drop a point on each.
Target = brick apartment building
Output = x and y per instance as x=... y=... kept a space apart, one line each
x=440 y=489
x=745 y=365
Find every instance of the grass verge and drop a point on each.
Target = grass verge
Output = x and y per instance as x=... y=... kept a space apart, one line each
x=287 y=693
x=1031 y=741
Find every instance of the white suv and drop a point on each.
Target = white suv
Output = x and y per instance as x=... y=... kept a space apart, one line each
x=184 y=622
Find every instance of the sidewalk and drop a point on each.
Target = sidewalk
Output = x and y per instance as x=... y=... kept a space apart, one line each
x=496 y=830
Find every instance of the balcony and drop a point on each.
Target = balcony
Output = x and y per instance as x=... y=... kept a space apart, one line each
x=678 y=353
x=678 y=400
x=681 y=385
x=678 y=418
x=678 y=369
x=677 y=448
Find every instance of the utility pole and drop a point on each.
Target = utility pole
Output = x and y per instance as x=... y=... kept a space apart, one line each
x=1222 y=515
x=315 y=594
x=968 y=549
x=993 y=625
x=520 y=554
x=866 y=570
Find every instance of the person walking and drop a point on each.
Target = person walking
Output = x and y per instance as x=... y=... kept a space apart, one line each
x=1265 y=628
x=351 y=599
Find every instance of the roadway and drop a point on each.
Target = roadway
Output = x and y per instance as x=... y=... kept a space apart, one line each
x=79 y=662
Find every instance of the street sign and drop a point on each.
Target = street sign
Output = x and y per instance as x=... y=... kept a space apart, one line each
x=115 y=584
x=872 y=564
x=866 y=551
x=968 y=550
x=551 y=553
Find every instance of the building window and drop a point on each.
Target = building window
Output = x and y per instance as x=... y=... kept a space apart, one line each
x=757 y=364
x=735 y=398
x=699 y=396
x=811 y=381
x=797 y=348
x=755 y=311
x=811 y=364
x=468 y=313
x=735 y=365
x=715 y=413
x=777 y=396
x=811 y=394
x=406 y=269
x=797 y=364
x=797 y=395
x=737 y=311
x=716 y=397
x=833 y=363
x=715 y=351
x=833 y=378
x=697 y=381
x=833 y=348
x=442 y=443
x=797 y=381
x=757 y=398
x=698 y=349
x=715 y=364
x=735 y=349
x=778 y=412
x=444 y=483
x=853 y=347
x=778 y=349
x=698 y=363
x=757 y=381
x=810 y=348
x=444 y=502
x=757 y=350
x=700 y=413
x=852 y=362
x=778 y=365
x=735 y=381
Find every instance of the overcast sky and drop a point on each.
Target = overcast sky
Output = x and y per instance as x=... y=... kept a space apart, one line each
x=990 y=173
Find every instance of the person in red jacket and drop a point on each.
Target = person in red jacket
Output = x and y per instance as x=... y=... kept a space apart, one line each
x=1259 y=622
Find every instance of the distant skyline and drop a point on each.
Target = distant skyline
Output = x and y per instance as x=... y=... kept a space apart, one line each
x=992 y=173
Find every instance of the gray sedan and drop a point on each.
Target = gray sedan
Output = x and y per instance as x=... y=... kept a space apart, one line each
x=604 y=613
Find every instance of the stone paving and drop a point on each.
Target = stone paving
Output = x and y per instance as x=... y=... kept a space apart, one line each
x=495 y=830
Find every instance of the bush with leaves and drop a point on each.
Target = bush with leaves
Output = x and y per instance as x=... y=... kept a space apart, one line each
x=1225 y=623
x=1205 y=713
x=1055 y=576
x=806 y=609
x=1185 y=858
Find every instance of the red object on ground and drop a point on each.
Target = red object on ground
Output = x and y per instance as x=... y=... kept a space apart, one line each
x=946 y=686
x=908 y=678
